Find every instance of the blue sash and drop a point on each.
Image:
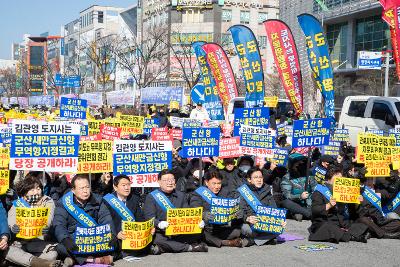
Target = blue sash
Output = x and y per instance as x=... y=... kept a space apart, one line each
x=392 y=206
x=21 y=203
x=373 y=198
x=250 y=198
x=80 y=215
x=205 y=193
x=119 y=207
x=162 y=200
x=324 y=191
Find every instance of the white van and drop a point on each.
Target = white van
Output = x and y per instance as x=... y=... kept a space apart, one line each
x=362 y=113
x=283 y=107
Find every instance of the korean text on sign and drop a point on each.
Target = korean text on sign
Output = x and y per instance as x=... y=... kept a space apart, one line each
x=184 y=221
x=49 y=146
x=138 y=234
x=257 y=137
x=200 y=142
x=270 y=220
x=224 y=209
x=250 y=116
x=31 y=221
x=73 y=108
x=95 y=157
x=308 y=133
x=346 y=190
x=92 y=240
x=143 y=160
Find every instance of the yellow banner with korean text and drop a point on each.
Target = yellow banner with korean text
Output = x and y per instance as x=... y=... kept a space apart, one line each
x=346 y=190
x=184 y=221
x=138 y=234
x=31 y=221
x=95 y=157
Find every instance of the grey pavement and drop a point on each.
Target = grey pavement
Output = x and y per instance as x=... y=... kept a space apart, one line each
x=377 y=252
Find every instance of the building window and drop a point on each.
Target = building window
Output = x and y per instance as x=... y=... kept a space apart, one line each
x=317 y=6
x=226 y=15
x=100 y=17
x=262 y=42
x=372 y=34
x=244 y=17
x=336 y=35
x=262 y=16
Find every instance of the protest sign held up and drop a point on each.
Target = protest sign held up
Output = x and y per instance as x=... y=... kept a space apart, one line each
x=138 y=234
x=184 y=221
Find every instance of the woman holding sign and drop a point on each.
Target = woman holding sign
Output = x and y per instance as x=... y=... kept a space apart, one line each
x=29 y=219
x=255 y=193
x=220 y=229
x=331 y=220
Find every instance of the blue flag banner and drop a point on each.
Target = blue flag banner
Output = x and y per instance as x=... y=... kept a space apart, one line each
x=200 y=142
x=93 y=240
x=224 y=209
x=258 y=117
x=333 y=148
x=270 y=220
x=249 y=54
x=73 y=108
x=5 y=136
x=341 y=135
x=313 y=132
x=318 y=57
x=257 y=137
x=212 y=101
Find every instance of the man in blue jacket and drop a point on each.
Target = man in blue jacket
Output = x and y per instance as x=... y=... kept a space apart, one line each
x=4 y=232
x=80 y=201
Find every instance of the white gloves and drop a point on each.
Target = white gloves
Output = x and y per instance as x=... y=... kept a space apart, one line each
x=202 y=224
x=162 y=225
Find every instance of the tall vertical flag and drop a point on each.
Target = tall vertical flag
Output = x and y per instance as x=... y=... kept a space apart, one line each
x=286 y=60
x=222 y=72
x=390 y=14
x=318 y=57
x=250 y=60
x=212 y=101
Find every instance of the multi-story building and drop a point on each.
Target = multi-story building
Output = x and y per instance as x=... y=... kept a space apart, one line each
x=85 y=44
x=351 y=26
x=209 y=21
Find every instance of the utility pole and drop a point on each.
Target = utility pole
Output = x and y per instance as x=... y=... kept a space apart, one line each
x=386 y=92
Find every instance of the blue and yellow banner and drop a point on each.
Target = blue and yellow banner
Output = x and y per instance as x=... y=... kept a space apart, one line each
x=249 y=54
x=212 y=101
x=318 y=56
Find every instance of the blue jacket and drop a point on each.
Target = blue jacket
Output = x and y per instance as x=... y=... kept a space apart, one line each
x=293 y=187
x=3 y=225
x=65 y=225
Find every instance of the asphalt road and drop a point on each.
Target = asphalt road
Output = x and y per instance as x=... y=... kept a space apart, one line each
x=377 y=252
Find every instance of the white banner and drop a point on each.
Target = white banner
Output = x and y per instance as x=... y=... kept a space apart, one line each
x=93 y=99
x=120 y=98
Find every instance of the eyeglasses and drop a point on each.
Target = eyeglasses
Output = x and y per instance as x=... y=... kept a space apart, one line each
x=167 y=180
x=257 y=177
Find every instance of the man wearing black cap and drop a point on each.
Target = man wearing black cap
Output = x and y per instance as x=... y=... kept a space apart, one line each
x=199 y=113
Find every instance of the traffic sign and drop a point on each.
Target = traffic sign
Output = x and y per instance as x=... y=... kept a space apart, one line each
x=197 y=93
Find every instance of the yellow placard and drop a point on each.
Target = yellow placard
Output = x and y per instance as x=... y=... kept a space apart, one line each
x=131 y=124
x=31 y=221
x=377 y=166
x=4 y=181
x=138 y=234
x=184 y=221
x=173 y=104
x=95 y=157
x=94 y=127
x=374 y=144
x=346 y=190
x=271 y=101
x=4 y=157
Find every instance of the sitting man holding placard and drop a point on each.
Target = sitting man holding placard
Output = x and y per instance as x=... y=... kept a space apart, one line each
x=331 y=219
x=256 y=197
x=78 y=214
x=4 y=233
x=163 y=202
x=221 y=229
x=374 y=216
x=123 y=206
x=32 y=208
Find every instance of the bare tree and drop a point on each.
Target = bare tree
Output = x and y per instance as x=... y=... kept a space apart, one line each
x=102 y=55
x=8 y=79
x=146 y=60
